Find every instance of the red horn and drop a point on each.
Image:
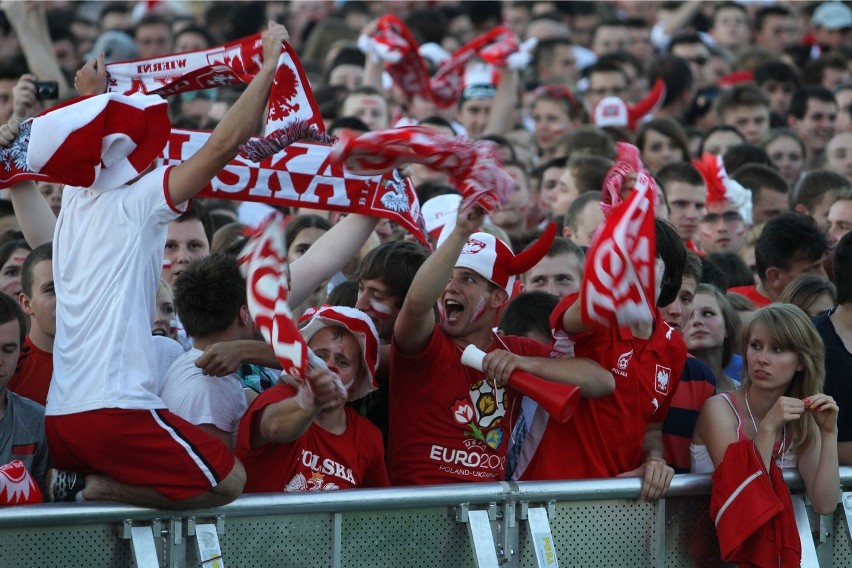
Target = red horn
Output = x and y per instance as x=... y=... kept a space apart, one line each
x=558 y=400
x=649 y=104
x=525 y=260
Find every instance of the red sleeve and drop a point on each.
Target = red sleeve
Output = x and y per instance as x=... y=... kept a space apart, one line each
x=250 y=421
x=560 y=309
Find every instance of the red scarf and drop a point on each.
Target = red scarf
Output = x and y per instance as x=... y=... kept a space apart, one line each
x=618 y=282
x=395 y=44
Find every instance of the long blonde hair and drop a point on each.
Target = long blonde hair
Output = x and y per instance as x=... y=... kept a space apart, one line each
x=792 y=330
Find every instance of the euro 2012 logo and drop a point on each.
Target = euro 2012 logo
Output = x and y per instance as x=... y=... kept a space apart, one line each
x=482 y=413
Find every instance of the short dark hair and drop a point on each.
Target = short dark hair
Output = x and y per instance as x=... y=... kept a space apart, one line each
x=43 y=252
x=587 y=139
x=671 y=249
x=545 y=49
x=693 y=267
x=686 y=38
x=758 y=177
x=8 y=248
x=815 y=184
x=572 y=216
x=199 y=213
x=799 y=102
x=683 y=172
x=209 y=294
x=561 y=246
x=788 y=238
x=776 y=71
x=740 y=95
x=528 y=312
x=746 y=154
x=763 y=13
x=10 y=310
x=675 y=73
x=718 y=128
x=733 y=267
x=395 y=264
x=842 y=262
x=588 y=171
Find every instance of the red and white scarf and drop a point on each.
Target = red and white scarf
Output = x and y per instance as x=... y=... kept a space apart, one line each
x=618 y=282
x=394 y=44
x=474 y=167
x=298 y=176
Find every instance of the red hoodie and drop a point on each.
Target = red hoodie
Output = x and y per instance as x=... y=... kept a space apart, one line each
x=753 y=511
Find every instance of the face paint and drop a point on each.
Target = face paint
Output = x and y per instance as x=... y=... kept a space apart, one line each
x=382 y=311
x=478 y=310
x=167 y=263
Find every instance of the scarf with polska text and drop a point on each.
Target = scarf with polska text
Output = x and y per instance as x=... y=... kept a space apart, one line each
x=288 y=173
x=618 y=280
x=301 y=176
x=393 y=43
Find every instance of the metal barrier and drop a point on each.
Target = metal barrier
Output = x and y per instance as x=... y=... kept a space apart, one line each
x=568 y=523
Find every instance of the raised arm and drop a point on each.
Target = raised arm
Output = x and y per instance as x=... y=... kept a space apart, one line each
x=29 y=22
x=34 y=214
x=328 y=254
x=503 y=105
x=286 y=420
x=241 y=121
x=572 y=319
x=416 y=319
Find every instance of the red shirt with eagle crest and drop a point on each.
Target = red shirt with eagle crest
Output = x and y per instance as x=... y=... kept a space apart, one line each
x=605 y=435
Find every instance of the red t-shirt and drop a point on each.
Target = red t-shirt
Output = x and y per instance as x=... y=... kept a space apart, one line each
x=752 y=294
x=318 y=460
x=446 y=423
x=605 y=435
x=33 y=373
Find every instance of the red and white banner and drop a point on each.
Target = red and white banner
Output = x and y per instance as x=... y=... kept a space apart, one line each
x=394 y=43
x=304 y=175
x=233 y=63
x=264 y=264
x=17 y=486
x=474 y=167
x=618 y=282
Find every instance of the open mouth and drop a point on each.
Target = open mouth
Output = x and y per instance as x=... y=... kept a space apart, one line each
x=453 y=310
x=160 y=332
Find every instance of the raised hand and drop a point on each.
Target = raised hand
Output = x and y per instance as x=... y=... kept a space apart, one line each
x=824 y=410
x=273 y=39
x=785 y=409
x=9 y=131
x=91 y=78
x=24 y=97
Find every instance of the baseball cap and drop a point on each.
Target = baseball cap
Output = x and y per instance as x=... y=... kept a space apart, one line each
x=832 y=16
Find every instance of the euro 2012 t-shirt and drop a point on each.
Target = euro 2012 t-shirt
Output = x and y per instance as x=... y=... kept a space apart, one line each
x=447 y=423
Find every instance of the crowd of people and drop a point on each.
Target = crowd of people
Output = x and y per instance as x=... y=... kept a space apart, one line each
x=125 y=312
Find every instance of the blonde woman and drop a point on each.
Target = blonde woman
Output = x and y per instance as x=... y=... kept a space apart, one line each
x=779 y=418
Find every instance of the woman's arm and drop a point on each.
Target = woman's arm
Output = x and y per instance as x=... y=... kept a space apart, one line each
x=818 y=464
x=716 y=428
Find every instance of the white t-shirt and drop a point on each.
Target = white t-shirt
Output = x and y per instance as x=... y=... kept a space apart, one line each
x=200 y=399
x=107 y=256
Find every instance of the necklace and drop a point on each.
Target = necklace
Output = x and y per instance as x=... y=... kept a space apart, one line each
x=782 y=451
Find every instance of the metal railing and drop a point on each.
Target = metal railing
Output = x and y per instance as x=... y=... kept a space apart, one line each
x=572 y=523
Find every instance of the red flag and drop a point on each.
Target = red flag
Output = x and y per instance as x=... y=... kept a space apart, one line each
x=618 y=283
x=17 y=486
x=264 y=262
